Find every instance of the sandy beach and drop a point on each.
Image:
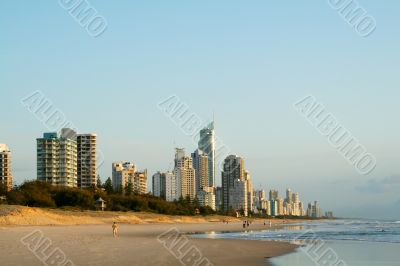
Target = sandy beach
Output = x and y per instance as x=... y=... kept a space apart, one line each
x=140 y=243
x=136 y=245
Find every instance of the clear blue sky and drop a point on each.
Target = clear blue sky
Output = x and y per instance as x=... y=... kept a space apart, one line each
x=247 y=61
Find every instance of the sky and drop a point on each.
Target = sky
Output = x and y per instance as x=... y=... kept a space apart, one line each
x=247 y=62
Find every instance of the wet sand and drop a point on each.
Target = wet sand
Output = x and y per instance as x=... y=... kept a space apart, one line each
x=137 y=245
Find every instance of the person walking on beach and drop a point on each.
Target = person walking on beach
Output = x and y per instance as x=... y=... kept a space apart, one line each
x=115 y=229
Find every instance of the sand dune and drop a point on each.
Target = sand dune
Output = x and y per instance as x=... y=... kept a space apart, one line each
x=19 y=215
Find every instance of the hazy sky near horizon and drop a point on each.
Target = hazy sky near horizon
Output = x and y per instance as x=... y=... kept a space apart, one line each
x=247 y=61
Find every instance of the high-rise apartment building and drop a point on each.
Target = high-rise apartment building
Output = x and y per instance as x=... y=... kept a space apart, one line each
x=57 y=159
x=315 y=210
x=273 y=194
x=289 y=196
x=171 y=187
x=5 y=166
x=124 y=173
x=87 y=165
x=272 y=208
x=68 y=159
x=233 y=170
x=218 y=198
x=206 y=197
x=185 y=175
x=200 y=164
x=281 y=205
x=249 y=185
x=207 y=144
x=159 y=185
x=238 y=197
x=259 y=199
x=301 y=208
x=139 y=182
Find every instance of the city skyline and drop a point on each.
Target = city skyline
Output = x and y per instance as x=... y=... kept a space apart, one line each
x=249 y=71
x=263 y=187
x=69 y=159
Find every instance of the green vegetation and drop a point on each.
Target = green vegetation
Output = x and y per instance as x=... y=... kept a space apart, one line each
x=40 y=194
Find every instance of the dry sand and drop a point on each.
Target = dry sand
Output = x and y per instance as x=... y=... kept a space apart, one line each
x=20 y=215
x=138 y=242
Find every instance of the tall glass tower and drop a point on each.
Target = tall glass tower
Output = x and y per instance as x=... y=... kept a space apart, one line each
x=207 y=145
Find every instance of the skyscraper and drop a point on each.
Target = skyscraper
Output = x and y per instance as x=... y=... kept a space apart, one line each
x=273 y=207
x=57 y=159
x=280 y=203
x=233 y=170
x=140 y=182
x=207 y=145
x=315 y=210
x=273 y=194
x=185 y=175
x=218 y=198
x=249 y=186
x=122 y=173
x=5 y=166
x=258 y=199
x=87 y=165
x=159 y=185
x=200 y=164
x=206 y=197
x=238 y=197
x=289 y=196
x=296 y=205
x=165 y=186
x=171 y=187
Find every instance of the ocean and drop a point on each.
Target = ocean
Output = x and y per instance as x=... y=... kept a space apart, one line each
x=335 y=242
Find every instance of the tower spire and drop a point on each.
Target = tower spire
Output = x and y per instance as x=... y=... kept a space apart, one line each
x=213 y=121
x=213 y=117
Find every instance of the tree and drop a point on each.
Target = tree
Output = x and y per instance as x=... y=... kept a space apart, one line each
x=128 y=187
x=99 y=181
x=196 y=202
x=108 y=186
x=3 y=189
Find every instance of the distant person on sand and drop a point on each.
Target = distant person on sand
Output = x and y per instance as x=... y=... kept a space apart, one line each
x=244 y=224
x=115 y=229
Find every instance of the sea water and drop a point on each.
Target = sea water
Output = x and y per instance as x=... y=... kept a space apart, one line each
x=335 y=242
